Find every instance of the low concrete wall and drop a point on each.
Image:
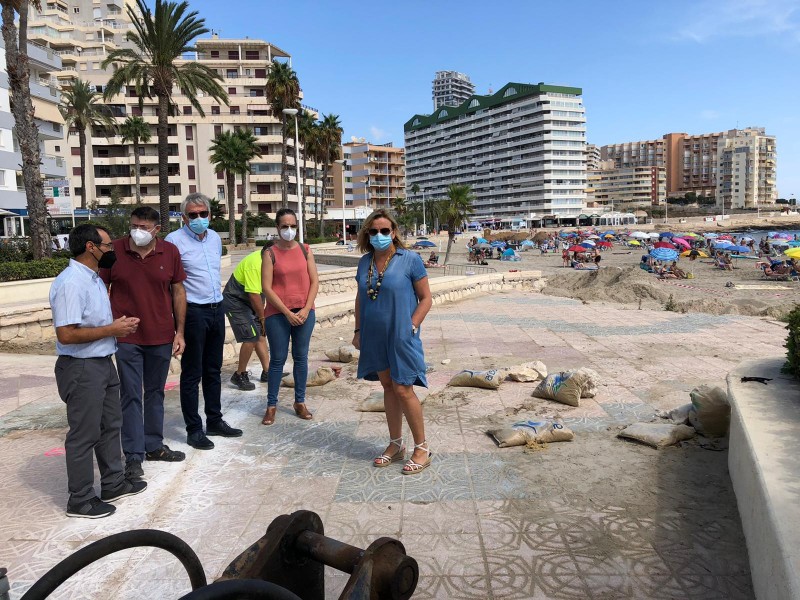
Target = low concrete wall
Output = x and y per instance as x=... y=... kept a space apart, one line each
x=763 y=463
x=32 y=326
x=30 y=290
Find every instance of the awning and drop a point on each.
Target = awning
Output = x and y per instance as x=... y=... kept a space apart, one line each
x=47 y=111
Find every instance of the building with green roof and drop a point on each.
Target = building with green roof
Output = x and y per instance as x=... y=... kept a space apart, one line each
x=522 y=150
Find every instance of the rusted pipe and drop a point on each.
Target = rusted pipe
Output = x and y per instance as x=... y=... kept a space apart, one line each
x=328 y=551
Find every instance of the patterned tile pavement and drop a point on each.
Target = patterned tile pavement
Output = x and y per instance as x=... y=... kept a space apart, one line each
x=595 y=518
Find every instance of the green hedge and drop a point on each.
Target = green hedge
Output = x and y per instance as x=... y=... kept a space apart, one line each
x=35 y=269
x=793 y=343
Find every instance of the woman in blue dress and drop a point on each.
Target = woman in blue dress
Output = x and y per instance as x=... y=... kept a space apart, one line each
x=392 y=301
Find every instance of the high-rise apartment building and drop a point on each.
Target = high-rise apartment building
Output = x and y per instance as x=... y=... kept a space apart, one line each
x=592 y=157
x=451 y=88
x=624 y=189
x=83 y=37
x=691 y=161
x=375 y=174
x=521 y=150
x=746 y=169
x=45 y=98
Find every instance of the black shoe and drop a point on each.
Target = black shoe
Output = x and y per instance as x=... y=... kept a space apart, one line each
x=264 y=376
x=165 y=454
x=133 y=469
x=91 y=509
x=128 y=488
x=242 y=381
x=199 y=440
x=223 y=429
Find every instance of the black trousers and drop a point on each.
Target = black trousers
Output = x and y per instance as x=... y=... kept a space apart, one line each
x=201 y=362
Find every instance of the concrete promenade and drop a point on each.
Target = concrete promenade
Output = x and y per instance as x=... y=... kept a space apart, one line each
x=595 y=518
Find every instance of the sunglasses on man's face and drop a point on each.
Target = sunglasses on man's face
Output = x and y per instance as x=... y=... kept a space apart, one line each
x=383 y=231
x=203 y=214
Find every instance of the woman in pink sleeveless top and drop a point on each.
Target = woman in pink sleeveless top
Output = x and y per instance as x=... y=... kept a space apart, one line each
x=290 y=283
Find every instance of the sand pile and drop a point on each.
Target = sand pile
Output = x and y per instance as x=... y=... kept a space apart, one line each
x=631 y=285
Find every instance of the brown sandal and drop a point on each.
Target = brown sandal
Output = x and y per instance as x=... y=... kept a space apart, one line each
x=301 y=411
x=269 y=416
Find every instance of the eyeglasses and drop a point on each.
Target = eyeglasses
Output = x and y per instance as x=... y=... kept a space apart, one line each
x=193 y=215
x=101 y=244
x=384 y=231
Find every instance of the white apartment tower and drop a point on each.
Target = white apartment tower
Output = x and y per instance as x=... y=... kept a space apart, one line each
x=45 y=98
x=746 y=168
x=521 y=150
x=451 y=88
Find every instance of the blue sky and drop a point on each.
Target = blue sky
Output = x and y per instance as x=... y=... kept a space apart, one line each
x=645 y=68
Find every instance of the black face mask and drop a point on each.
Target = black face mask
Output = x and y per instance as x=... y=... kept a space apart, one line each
x=107 y=260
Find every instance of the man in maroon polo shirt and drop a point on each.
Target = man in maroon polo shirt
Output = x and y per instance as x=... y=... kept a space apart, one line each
x=146 y=281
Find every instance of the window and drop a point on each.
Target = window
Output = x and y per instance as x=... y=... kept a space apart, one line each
x=136 y=111
x=233 y=55
x=247 y=72
x=192 y=189
x=510 y=92
x=235 y=110
x=220 y=175
x=256 y=93
x=231 y=73
x=217 y=130
x=474 y=103
x=190 y=152
x=251 y=54
x=76 y=10
x=215 y=54
x=262 y=73
x=76 y=171
x=232 y=91
x=187 y=110
x=190 y=171
x=55 y=149
x=215 y=110
x=189 y=132
x=220 y=192
x=76 y=151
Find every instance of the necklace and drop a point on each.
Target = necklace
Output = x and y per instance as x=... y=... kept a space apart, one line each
x=372 y=293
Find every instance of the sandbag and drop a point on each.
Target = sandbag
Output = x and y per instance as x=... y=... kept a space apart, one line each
x=321 y=377
x=565 y=387
x=523 y=432
x=527 y=372
x=489 y=380
x=345 y=354
x=372 y=403
x=590 y=383
x=681 y=414
x=657 y=435
x=712 y=416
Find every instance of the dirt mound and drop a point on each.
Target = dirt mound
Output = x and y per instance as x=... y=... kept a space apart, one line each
x=610 y=284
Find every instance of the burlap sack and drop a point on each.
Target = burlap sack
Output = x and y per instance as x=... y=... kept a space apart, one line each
x=345 y=354
x=522 y=432
x=321 y=377
x=372 y=403
x=712 y=415
x=489 y=380
x=528 y=372
x=657 y=435
x=565 y=387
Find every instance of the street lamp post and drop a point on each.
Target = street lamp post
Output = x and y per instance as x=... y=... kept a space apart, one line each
x=292 y=112
x=424 y=218
x=343 y=162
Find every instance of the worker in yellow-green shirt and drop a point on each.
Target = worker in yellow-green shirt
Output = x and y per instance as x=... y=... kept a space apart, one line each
x=243 y=302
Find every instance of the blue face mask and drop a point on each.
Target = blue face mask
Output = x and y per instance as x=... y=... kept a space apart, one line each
x=380 y=241
x=198 y=225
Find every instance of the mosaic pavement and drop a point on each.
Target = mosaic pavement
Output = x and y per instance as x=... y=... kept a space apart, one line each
x=595 y=518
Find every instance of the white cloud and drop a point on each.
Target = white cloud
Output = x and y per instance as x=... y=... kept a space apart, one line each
x=712 y=19
x=377 y=134
x=709 y=114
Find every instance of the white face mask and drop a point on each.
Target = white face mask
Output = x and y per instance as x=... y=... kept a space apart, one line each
x=288 y=234
x=141 y=237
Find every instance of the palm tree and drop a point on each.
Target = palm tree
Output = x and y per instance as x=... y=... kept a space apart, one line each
x=314 y=148
x=306 y=130
x=27 y=133
x=81 y=107
x=159 y=40
x=250 y=149
x=454 y=210
x=283 y=91
x=135 y=131
x=227 y=156
x=330 y=132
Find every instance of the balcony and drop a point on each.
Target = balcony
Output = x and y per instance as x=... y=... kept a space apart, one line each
x=53 y=166
x=48 y=93
x=44 y=57
x=49 y=130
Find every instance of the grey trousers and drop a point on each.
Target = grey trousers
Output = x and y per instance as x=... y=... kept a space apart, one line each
x=90 y=389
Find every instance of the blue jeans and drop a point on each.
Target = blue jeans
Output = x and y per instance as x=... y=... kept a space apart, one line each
x=279 y=331
x=142 y=368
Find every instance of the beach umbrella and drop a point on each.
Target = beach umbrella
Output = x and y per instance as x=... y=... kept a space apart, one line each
x=722 y=243
x=711 y=235
x=653 y=236
x=792 y=252
x=482 y=241
x=747 y=238
x=424 y=244
x=663 y=245
x=737 y=249
x=576 y=248
x=605 y=245
x=664 y=254
x=608 y=236
x=640 y=235
x=681 y=242
x=526 y=243
x=587 y=243
x=780 y=235
x=693 y=236
x=666 y=234
x=700 y=253
x=610 y=232
x=634 y=243
x=725 y=236
x=483 y=246
x=593 y=237
x=793 y=244
x=497 y=244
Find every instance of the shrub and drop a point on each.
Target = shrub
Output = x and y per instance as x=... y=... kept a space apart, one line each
x=670 y=304
x=35 y=269
x=320 y=240
x=224 y=250
x=792 y=365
